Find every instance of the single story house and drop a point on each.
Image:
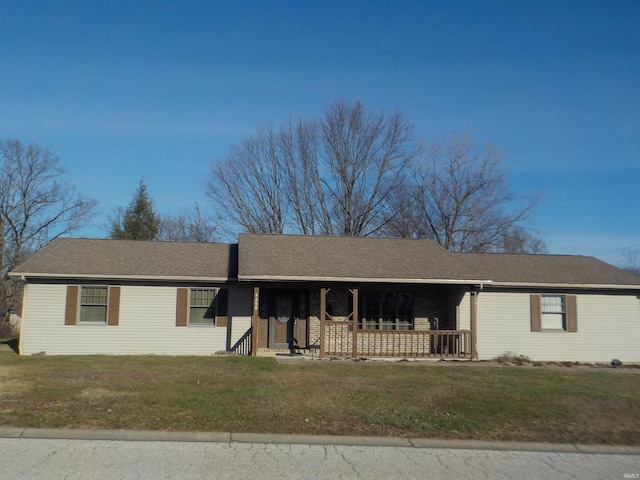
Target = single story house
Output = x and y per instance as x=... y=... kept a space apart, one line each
x=334 y=296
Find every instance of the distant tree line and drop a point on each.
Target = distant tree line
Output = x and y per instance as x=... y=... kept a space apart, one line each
x=139 y=221
x=351 y=172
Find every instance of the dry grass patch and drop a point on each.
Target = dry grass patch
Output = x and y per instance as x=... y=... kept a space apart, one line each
x=345 y=398
x=10 y=383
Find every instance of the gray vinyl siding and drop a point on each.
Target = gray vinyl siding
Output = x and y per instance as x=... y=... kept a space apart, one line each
x=608 y=328
x=146 y=326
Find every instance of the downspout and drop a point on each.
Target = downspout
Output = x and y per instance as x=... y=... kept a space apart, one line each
x=323 y=316
x=474 y=323
x=23 y=279
x=255 y=321
x=354 y=322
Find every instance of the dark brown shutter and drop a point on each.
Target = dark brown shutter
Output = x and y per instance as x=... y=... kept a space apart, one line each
x=71 y=306
x=535 y=313
x=182 y=307
x=572 y=313
x=113 y=310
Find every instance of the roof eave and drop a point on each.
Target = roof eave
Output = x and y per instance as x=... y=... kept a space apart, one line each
x=435 y=281
x=586 y=286
x=88 y=276
x=304 y=278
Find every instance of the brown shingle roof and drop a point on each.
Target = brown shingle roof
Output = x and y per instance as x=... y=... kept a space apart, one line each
x=291 y=257
x=503 y=268
x=69 y=257
x=324 y=257
x=294 y=257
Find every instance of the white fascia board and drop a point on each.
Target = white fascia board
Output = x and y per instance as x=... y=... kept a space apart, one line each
x=301 y=278
x=434 y=281
x=586 y=286
x=83 y=276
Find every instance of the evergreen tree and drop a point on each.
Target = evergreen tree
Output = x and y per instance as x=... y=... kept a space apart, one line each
x=138 y=221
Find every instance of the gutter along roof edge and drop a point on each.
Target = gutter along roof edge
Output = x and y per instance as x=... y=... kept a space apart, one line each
x=119 y=277
x=426 y=281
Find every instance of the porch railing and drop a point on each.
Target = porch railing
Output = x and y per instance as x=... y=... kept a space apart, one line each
x=243 y=345
x=339 y=338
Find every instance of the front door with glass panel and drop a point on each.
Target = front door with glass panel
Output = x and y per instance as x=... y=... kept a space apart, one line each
x=281 y=321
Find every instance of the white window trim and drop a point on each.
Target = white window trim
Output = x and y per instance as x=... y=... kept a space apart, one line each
x=563 y=328
x=79 y=321
x=216 y=291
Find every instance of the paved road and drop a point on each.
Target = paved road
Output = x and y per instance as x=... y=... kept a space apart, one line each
x=40 y=458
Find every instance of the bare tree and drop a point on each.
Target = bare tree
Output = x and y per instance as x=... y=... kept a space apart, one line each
x=248 y=186
x=192 y=226
x=521 y=240
x=366 y=154
x=300 y=149
x=333 y=175
x=631 y=261
x=36 y=206
x=460 y=197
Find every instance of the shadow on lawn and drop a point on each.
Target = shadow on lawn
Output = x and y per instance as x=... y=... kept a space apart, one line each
x=12 y=343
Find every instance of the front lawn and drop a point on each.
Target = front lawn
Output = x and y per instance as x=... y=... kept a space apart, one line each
x=241 y=394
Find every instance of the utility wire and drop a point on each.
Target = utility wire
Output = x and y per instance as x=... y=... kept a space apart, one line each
x=619 y=252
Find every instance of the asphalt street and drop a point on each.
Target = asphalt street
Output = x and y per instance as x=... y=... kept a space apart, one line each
x=288 y=457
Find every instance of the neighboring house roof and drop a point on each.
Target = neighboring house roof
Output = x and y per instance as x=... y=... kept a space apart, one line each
x=128 y=259
x=316 y=258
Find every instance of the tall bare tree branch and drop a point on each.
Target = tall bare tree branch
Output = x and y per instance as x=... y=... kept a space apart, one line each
x=333 y=175
x=460 y=197
x=248 y=186
x=190 y=226
x=36 y=206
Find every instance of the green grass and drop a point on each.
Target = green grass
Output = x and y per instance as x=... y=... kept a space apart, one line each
x=243 y=394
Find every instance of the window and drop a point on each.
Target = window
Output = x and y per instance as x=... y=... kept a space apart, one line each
x=386 y=311
x=202 y=306
x=553 y=312
x=93 y=305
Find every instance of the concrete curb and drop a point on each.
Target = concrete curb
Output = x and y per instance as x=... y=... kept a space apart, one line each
x=228 y=437
x=320 y=439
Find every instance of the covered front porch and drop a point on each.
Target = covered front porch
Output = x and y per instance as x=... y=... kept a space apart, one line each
x=360 y=320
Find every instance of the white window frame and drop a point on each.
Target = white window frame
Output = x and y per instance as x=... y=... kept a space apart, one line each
x=82 y=304
x=214 y=303
x=553 y=314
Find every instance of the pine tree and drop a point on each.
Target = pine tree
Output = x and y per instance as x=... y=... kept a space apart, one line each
x=138 y=221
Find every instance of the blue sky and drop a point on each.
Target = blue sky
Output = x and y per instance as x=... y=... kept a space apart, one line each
x=158 y=89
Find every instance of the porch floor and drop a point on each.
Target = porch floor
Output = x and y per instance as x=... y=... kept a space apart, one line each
x=285 y=352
